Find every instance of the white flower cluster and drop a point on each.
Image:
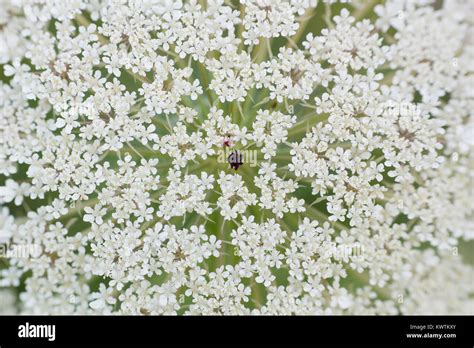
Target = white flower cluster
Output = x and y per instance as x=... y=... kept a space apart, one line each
x=113 y=113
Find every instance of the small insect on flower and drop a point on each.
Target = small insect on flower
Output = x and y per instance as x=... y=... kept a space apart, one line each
x=235 y=159
x=227 y=141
